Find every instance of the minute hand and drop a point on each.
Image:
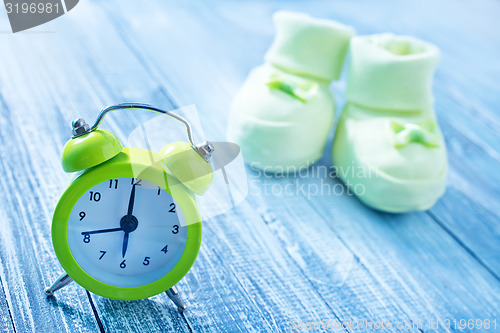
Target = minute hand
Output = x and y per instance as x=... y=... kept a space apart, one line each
x=129 y=219
x=101 y=231
x=131 y=204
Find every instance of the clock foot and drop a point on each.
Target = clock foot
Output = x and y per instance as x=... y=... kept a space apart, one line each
x=174 y=295
x=61 y=281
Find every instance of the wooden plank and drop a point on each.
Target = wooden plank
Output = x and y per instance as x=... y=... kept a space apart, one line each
x=236 y=304
x=104 y=80
x=244 y=281
x=6 y=324
x=218 y=46
x=405 y=256
x=465 y=106
x=30 y=166
x=54 y=98
x=155 y=314
x=263 y=275
x=25 y=237
x=417 y=309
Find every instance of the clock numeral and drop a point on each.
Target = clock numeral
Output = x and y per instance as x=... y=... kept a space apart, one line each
x=95 y=196
x=122 y=264
x=111 y=183
x=159 y=190
x=102 y=255
x=136 y=182
x=175 y=229
x=86 y=238
x=146 y=261
x=172 y=208
x=82 y=215
x=165 y=249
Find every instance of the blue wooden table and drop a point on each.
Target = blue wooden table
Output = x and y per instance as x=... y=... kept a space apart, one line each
x=277 y=262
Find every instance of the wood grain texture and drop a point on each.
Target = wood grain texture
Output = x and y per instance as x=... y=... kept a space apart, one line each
x=6 y=324
x=30 y=181
x=69 y=67
x=276 y=257
x=405 y=296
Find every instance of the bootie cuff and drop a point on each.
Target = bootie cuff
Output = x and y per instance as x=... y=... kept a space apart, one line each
x=391 y=72
x=309 y=46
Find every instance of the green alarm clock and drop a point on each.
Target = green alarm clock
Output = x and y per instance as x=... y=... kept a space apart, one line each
x=128 y=227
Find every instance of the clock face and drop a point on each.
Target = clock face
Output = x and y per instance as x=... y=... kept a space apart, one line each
x=126 y=232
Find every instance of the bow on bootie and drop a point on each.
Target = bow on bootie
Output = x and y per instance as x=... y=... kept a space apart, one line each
x=304 y=91
x=424 y=133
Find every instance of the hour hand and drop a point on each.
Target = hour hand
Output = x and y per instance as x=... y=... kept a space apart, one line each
x=101 y=231
x=125 y=244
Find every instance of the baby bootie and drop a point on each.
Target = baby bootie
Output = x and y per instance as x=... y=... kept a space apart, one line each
x=388 y=148
x=283 y=113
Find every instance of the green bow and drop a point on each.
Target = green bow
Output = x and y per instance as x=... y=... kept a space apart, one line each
x=304 y=91
x=425 y=133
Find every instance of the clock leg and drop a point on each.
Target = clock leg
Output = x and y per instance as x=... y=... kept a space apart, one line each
x=61 y=281
x=174 y=295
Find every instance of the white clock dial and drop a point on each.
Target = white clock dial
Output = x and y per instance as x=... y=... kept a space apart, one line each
x=122 y=249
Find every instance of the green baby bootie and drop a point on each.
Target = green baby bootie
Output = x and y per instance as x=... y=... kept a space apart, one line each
x=388 y=148
x=283 y=113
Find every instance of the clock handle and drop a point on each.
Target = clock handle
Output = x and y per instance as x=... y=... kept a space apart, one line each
x=63 y=280
x=174 y=295
x=204 y=149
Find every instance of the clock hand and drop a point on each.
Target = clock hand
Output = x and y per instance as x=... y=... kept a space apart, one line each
x=131 y=203
x=125 y=244
x=129 y=220
x=101 y=231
